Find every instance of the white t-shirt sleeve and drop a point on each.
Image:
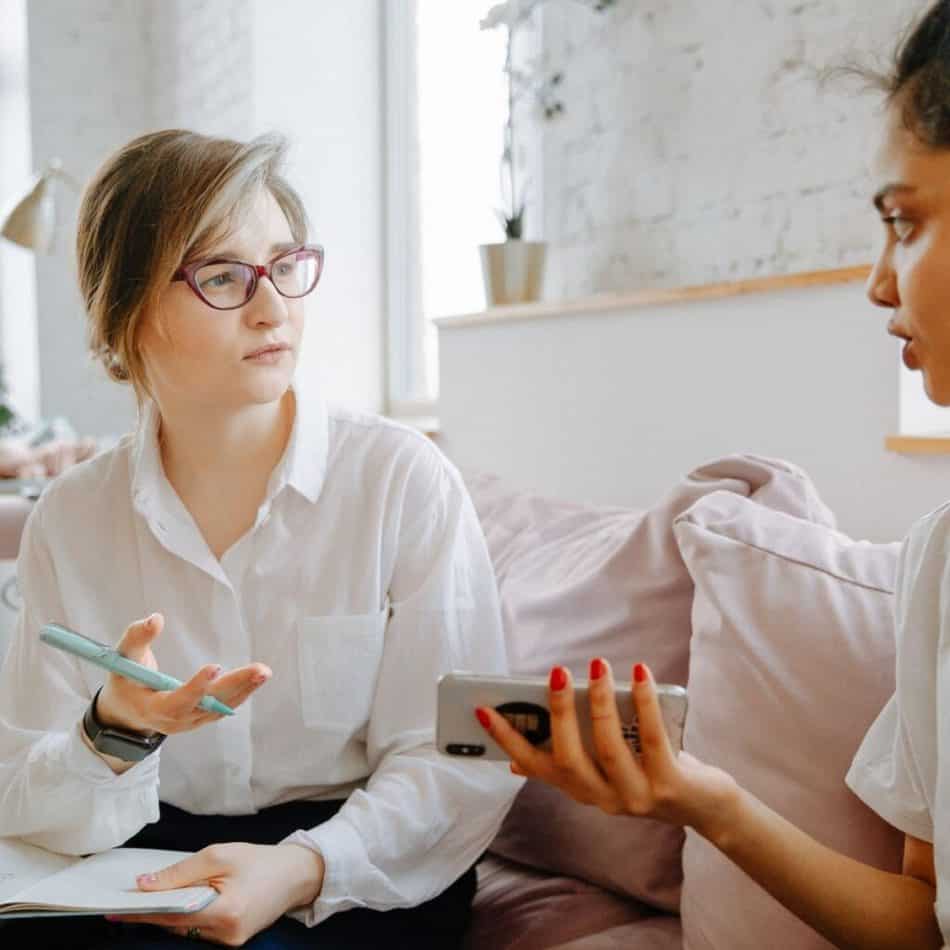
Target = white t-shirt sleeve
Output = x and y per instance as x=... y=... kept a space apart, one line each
x=885 y=777
x=894 y=770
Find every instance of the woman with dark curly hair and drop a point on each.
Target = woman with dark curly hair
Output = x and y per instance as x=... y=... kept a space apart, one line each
x=902 y=769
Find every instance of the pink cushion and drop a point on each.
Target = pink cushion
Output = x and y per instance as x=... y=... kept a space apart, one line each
x=792 y=659
x=578 y=581
x=517 y=908
x=660 y=932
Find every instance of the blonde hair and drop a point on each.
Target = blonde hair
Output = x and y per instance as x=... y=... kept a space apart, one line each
x=159 y=201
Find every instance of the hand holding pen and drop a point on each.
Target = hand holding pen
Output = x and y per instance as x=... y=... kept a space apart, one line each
x=128 y=705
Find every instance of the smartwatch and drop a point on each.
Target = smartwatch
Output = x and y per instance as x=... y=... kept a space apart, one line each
x=127 y=746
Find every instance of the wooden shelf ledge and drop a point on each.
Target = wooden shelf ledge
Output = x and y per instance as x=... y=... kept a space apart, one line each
x=918 y=444
x=641 y=299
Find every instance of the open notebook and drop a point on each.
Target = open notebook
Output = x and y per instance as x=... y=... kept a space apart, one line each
x=38 y=883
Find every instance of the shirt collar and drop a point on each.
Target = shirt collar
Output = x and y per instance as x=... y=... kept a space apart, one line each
x=303 y=465
x=304 y=462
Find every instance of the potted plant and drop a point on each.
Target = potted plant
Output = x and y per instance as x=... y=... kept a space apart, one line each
x=513 y=270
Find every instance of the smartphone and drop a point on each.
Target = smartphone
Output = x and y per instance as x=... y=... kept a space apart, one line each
x=523 y=701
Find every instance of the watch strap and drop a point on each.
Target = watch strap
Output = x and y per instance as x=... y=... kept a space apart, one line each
x=127 y=746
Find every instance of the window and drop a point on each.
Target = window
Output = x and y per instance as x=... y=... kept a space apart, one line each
x=446 y=101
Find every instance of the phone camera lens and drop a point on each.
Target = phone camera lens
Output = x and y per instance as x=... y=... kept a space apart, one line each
x=458 y=748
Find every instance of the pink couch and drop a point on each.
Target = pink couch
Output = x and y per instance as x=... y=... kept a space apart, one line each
x=736 y=584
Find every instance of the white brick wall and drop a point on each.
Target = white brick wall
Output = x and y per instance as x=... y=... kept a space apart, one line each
x=697 y=146
x=201 y=58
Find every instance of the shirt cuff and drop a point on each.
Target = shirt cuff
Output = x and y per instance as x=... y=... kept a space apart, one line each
x=342 y=850
x=78 y=759
x=863 y=780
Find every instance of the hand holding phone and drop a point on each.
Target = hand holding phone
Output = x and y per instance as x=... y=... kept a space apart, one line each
x=523 y=701
x=662 y=782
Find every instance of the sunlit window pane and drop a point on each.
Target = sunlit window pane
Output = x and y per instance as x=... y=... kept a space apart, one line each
x=462 y=98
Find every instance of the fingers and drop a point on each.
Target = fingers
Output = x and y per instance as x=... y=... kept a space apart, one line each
x=238 y=699
x=655 y=750
x=197 y=868
x=529 y=760
x=180 y=708
x=613 y=753
x=184 y=699
x=234 y=687
x=568 y=752
x=568 y=765
x=565 y=734
x=138 y=637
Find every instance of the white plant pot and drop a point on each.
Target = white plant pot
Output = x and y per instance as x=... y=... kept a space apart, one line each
x=512 y=271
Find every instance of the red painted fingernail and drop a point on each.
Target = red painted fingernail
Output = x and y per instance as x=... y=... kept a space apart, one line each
x=597 y=668
x=482 y=716
x=558 y=679
x=639 y=673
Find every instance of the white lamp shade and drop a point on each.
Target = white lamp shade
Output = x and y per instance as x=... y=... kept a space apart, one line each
x=32 y=222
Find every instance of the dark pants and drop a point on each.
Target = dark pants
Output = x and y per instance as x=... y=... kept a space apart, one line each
x=438 y=924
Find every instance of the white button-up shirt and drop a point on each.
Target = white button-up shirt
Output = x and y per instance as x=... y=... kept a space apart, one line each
x=364 y=577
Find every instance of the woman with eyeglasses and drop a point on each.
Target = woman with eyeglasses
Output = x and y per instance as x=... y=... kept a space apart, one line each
x=902 y=769
x=313 y=568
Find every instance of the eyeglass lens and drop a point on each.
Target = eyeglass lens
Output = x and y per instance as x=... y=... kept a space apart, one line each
x=228 y=284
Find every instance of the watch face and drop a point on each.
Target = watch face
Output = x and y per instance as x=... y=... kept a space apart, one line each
x=125 y=747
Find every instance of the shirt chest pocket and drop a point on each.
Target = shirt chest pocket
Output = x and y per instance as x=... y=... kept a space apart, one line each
x=339 y=659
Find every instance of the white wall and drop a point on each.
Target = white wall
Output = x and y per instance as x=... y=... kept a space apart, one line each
x=318 y=78
x=611 y=407
x=696 y=145
x=87 y=95
x=18 y=343
x=102 y=72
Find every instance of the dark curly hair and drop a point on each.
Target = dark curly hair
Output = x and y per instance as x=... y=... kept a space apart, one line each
x=920 y=77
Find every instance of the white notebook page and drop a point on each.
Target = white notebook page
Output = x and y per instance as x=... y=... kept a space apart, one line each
x=107 y=881
x=23 y=864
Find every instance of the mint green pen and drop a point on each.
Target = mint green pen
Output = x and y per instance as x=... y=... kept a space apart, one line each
x=110 y=659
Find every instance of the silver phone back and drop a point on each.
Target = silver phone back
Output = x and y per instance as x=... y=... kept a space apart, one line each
x=524 y=701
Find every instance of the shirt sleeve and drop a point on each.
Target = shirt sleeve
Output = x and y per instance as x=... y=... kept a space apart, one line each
x=889 y=771
x=885 y=777
x=55 y=791
x=423 y=818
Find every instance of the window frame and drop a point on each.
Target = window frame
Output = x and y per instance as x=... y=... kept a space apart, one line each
x=405 y=359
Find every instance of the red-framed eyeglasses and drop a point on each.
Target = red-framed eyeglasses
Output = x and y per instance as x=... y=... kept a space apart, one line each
x=226 y=284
